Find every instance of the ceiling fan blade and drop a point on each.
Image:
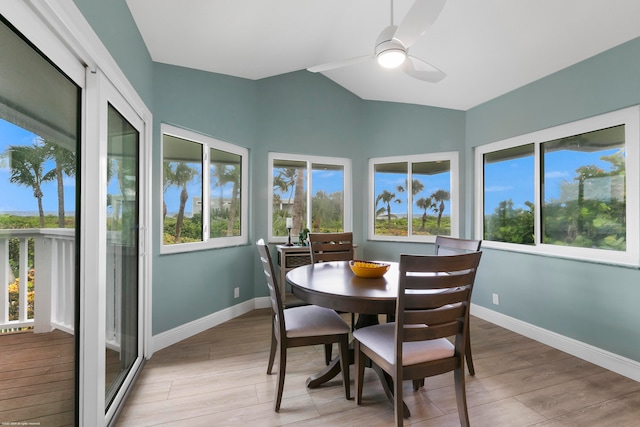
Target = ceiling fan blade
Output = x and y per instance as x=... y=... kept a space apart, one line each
x=421 y=70
x=339 y=64
x=420 y=17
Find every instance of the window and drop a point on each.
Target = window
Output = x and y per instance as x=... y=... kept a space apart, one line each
x=563 y=190
x=421 y=187
x=196 y=168
x=508 y=204
x=315 y=192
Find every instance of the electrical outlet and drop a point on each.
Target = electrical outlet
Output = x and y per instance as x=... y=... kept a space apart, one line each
x=236 y=292
x=496 y=299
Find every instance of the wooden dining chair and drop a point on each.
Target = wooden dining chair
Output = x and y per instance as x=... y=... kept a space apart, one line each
x=300 y=326
x=325 y=247
x=408 y=349
x=452 y=246
x=331 y=247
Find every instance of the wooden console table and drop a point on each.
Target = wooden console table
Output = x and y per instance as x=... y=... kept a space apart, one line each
x=290 y=257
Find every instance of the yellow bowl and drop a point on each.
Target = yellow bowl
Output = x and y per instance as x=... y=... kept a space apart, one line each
x=368 y=269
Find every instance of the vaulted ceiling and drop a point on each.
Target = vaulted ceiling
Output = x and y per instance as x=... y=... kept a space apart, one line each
x=485 y=47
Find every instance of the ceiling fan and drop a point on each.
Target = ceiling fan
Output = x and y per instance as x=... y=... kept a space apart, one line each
x=392 y=46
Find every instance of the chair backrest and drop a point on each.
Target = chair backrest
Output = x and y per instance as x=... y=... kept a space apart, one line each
x=331 y=246
x=435 y=291
x=452 y=246
x=272 y=284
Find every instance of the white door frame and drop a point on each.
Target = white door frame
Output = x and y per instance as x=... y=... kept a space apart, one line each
x=62 y=33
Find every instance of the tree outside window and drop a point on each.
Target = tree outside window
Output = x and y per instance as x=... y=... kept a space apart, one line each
x=563 y=190
x=413 y=197
x=313 y=191
x=197 y=168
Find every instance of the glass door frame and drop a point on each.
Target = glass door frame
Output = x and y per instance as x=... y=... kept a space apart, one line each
x=100 y=94
x=61 y=32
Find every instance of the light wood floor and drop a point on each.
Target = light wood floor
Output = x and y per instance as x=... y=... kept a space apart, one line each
x=218 y=378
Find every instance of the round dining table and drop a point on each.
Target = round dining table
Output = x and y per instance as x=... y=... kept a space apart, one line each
x=334 y=285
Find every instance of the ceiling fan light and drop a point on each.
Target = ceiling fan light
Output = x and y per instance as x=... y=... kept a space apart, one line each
x=391 y=58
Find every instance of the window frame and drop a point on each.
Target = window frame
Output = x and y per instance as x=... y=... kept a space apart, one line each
x=630 y=118
x=207 y=142
x=454 y=193
x=310 y=161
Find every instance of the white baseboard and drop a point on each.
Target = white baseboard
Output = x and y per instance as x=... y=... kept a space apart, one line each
x=611 y=361
x=165 y=339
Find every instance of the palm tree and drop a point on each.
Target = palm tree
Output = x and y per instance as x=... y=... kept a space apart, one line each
x=424 y=203
x=440 y=196
x=65 y=161
x=416 y=187
x=184 y=174
x=386 y=197
x=298 y=205
x=292 y=180
x=168 y=178
x=232 y=175
x=27 y=169
x=285 y=180
x=219 y=180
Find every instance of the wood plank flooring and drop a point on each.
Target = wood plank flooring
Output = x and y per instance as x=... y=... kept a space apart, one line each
x=218 y=378
x=37 y=379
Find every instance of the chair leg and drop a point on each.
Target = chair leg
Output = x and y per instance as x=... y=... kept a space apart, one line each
x=398 y=401
x=461 y=395
x=282 y=368
x=328 y=351
x=344 y=365
x=272 y=352
x=467 y=355
x=359 y=364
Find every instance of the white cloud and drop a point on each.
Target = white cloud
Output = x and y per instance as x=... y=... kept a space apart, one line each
x=497 y=188
x=557 y=174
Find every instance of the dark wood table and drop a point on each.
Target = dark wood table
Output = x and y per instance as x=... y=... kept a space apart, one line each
x=333 y=285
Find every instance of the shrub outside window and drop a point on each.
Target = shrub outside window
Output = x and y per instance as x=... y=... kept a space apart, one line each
x=562 y=191
x=421 y=187
x=313 y=191
x=508 y=203
x=197 y=168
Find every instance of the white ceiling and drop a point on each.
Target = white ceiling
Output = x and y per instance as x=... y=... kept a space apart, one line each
x=486 y=47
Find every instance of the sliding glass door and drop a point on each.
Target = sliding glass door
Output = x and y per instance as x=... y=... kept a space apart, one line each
x=120 y=260
x=122 y=224
x=39 y=232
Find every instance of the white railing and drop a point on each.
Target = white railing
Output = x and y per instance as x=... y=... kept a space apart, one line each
x=54 y=278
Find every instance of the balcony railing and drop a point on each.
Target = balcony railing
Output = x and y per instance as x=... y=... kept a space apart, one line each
x=54 y=279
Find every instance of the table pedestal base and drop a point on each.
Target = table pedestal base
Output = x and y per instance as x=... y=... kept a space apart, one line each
x=333 y=368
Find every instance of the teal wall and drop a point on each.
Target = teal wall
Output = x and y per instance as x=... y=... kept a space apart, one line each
x=307 y=113
x=192 y=285
x=593 y=303
x=114 y=25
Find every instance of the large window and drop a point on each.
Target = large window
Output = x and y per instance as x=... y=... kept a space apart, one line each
x=196 y=168
x=314 y=192
x=423 y=188
x=563 y=190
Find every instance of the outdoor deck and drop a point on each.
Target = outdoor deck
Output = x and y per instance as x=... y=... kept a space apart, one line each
x=37 y=378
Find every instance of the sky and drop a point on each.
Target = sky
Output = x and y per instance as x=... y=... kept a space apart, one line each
x=16 y=198
x=390 y=182
x=515 y=178
x=503 y=180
